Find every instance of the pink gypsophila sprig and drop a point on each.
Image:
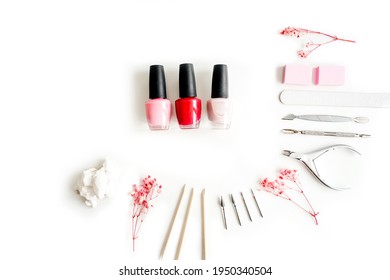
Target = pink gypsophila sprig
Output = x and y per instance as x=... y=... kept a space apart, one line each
x=287 y=185
x=310 y=46
x=142 y=195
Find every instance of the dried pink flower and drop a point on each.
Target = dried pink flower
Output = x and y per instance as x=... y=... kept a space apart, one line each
x=294 y=32
x=142 y=195
x=310 y=46
x=303 y=54
x=281 y=189
x=288 y=174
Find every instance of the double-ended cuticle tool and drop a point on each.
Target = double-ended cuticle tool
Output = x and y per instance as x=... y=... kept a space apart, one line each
x=325 y=133
x=326 y=118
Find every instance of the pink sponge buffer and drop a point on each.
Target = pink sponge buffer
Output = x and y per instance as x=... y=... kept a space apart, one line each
x=297 y=74
x=329 y=75
x=324 y=75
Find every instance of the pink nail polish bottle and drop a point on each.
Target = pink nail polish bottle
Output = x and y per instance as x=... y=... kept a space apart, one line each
x=158 y=107
x=219 y=108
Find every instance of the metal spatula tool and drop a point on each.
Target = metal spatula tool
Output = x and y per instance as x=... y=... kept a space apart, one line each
x=326 y=118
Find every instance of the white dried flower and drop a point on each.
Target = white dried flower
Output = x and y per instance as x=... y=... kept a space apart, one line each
x=94 y=183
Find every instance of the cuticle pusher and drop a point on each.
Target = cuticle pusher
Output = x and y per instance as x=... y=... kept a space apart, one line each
x=325 y=133
x=326 y=118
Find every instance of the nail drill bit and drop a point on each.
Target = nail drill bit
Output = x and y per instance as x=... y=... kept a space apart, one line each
x=246 y=206
x=257 y=204
x=223 y=213
x=235 y=208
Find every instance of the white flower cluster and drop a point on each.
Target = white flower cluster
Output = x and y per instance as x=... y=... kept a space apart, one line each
x=94 y=183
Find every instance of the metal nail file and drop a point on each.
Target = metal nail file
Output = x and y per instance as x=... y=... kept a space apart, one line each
x=235 y=209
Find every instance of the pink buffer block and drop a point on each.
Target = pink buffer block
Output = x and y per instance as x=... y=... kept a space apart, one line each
x=329 y=75
x=297 y=74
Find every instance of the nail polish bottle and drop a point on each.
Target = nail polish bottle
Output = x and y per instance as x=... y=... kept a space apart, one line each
x=158 y=107
x=219 y=108
x=188 y=106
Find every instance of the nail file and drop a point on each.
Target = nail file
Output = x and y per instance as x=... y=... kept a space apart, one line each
x=335 y=98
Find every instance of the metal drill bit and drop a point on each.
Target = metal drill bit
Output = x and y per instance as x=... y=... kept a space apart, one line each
x=235 y=208
x=257 y=204
x=246 y=206
x=223 y=212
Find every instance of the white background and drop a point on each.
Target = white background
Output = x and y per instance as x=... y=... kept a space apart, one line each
x=73 y=82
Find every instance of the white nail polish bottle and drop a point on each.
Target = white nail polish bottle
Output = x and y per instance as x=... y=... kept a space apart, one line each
x=219 y=108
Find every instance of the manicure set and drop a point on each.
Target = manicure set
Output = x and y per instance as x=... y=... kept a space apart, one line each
x=188 y=109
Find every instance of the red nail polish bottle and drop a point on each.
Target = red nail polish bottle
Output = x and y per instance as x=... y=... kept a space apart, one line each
x=188 y=106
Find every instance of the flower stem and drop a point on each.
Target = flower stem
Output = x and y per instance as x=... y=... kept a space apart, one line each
x=312 y=213
x=326 y=35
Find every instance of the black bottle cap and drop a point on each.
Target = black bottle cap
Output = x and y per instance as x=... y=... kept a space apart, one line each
x=187 y=85
x=157 y=86
x=219 y=86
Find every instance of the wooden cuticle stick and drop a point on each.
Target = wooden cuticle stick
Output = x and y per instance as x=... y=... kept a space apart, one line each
x=172 y=222
x=183 y=228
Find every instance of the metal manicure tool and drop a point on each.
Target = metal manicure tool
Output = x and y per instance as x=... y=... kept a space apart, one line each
x=326 y=118
x=309 y=161
x=235 y=208
x=257 y=204
x=246 y=207
x=325 y=133
x=223 y=213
